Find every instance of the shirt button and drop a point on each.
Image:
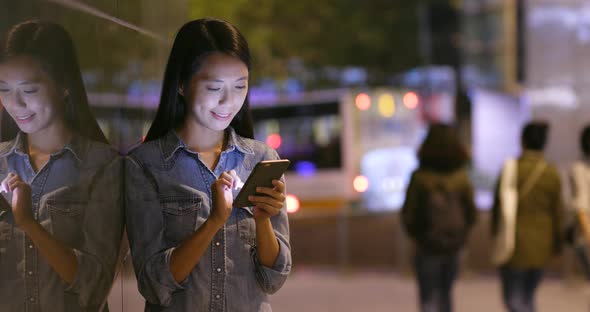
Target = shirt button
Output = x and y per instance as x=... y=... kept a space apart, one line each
x=30 y=272
x=32 y=299
x=218 y=270
x=217 y=296
x=217 y=244
x=30 y=246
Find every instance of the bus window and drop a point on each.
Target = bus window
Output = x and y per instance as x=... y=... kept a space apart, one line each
x=308 y=135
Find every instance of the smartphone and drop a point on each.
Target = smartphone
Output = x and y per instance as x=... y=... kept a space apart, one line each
x=261 y=176
x=4 y=205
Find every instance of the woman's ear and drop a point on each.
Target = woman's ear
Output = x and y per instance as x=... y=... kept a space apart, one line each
x=181 y=90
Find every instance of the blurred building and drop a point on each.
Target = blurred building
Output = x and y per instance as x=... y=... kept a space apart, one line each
x=535 y=55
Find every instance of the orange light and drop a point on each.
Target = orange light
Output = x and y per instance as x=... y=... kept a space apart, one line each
x=292 y=203
x=360 y=184
x=411 y=100
x=362 y=101
x=274 y=141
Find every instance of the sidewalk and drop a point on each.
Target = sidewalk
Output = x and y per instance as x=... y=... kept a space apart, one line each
x=326 y=291
x=375 y=292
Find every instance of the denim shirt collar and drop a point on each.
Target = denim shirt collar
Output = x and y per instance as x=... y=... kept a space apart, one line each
x=236 y=141
x=76 y=146
x=171 y=143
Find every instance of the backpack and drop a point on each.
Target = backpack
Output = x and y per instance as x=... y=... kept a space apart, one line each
x=445 y=220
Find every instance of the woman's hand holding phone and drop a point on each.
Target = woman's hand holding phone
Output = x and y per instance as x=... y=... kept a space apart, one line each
x=270 y=202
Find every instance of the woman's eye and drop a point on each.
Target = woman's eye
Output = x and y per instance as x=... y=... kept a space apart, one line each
x=213 y=89
x=241 y=87
x=30 y=91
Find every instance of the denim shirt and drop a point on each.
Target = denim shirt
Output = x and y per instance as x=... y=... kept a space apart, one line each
x=168 y=197
x=77 y=198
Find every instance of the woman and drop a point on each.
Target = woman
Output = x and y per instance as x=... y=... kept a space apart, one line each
x=191 y=250
x=579 y=193
x=526 y=220
x=438 y=214
x=60 y=233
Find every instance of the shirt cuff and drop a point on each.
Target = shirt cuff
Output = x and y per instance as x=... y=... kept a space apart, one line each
x=161 y=269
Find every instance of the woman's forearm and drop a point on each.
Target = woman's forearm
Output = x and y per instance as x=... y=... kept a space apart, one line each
x=188 y=254
x=266 y=241
x=60 y=257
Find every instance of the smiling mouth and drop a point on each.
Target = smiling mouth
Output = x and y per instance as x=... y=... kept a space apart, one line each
x=221 y=116
x=23 y=119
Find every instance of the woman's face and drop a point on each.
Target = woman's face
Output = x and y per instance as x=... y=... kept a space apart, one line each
x=29 y=95
x=216 y=93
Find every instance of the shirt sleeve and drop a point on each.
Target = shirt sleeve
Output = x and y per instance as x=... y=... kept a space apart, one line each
x=410 y=208
x=102 y=233
x=271 y=279
x=145 y=230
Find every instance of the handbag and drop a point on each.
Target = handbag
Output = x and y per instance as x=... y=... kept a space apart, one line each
x=504 y=240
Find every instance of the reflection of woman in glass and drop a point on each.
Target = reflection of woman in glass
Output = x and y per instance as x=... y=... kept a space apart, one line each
x=191 y=250
x=60 y=234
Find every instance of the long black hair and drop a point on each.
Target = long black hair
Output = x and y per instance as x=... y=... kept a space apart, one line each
x=442 y=150
x=194 y=42
x=51 y=46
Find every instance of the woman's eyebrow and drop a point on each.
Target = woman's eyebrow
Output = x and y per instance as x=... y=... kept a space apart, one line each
x=219 y=80
x=27 y=82
x=24 y=82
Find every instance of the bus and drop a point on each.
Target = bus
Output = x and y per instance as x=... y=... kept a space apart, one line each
x=348 y=147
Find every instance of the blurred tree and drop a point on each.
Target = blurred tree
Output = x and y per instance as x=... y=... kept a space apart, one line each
x=309 y=40
x=111 y=55
x=378 y=35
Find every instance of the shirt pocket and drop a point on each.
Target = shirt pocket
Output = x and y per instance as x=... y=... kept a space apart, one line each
x=6 y=231
x=246 y=226
x=5 y=226
x=8 y=252
x=66 y=217
x=180 y=217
